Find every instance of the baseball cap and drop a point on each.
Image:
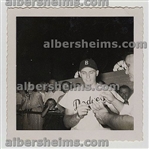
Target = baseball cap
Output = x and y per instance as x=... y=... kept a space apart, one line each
x=88 y=63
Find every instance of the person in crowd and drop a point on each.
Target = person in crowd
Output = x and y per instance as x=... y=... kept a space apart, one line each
x=77 y=102
x=49 y=105
x=20 y=96
x=33 y=106
x=125 y=93
x=66 y=86
x=50 y=120
x=53 y=91
x=124 y=121
x=25 y=122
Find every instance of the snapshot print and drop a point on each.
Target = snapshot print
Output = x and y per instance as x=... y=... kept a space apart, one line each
x=76 y=73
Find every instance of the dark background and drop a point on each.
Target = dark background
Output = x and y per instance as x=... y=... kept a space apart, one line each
x=35 y=63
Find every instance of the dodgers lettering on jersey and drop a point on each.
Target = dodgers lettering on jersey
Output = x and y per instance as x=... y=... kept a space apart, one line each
x=71 y=101
x=76 y=102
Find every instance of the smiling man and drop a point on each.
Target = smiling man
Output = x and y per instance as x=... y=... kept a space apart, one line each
x=77 y=102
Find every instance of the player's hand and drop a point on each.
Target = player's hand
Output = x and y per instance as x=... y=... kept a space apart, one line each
x=108 y=96
x=82 y=110
x=97 y=105
x=100 y=111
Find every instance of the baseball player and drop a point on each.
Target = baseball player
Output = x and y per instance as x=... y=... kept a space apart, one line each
x=77 y=102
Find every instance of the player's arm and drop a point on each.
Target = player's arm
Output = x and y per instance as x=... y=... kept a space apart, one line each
x=70 y=119
x=114 y=121
x=118 y=122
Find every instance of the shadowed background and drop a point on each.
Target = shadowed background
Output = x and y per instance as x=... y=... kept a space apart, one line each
x=35 y=63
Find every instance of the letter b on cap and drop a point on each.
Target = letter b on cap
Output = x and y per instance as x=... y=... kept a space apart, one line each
x=86 y=62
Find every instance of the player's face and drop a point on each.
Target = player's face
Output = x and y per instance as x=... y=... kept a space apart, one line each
x=89 y=75
x=130 y=67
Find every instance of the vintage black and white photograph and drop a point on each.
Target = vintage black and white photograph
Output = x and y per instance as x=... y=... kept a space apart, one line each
x=75 y=75
x=68 y=52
